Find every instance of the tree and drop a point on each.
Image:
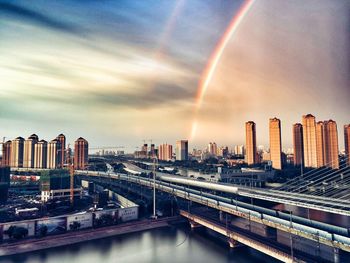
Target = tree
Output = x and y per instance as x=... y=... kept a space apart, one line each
x=16 y=232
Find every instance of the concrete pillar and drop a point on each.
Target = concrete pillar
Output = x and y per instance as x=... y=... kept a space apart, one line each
x=234 y=243
x=336 y=255
x=194 y=224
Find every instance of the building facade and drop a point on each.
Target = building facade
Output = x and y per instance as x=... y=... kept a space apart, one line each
x=275 y=143
x=298 y=145
x=40 y=155
x=62 y=150
x=331 y=144
x=182 y=150
x=81 y=154
x=29 y=148
x=347 y=143
x=320 y=144
x=17 y=147
x=6 y=154
x=165 y=152
x=54 y=154
x=309 y=140
x=250 y=146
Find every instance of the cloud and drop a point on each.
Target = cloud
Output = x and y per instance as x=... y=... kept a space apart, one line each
x=160 y=95
x=11 y=9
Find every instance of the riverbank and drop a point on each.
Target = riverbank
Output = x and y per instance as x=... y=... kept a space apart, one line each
x=35 y=244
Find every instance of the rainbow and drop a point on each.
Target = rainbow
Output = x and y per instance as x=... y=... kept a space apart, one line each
x=215 y=58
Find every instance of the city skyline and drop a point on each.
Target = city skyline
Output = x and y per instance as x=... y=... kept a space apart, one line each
x=116 y=86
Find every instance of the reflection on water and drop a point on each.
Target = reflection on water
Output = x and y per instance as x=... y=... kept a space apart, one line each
x=168 y=244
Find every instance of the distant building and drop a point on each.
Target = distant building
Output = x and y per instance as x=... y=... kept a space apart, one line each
x=54 y=154
x=331 y=144
x=309 y=140
x=29 y=148
x=182 y=150
x=239 y=150
x=212 y=148
x=62 y=150
x=6 y=154
x=40 y=154
x=298 y=145
x=165 y=152
x=250 y=147
x=320 y=143
x=347 y=142
x=81 y=152
x=17 y=146
x=275 y=143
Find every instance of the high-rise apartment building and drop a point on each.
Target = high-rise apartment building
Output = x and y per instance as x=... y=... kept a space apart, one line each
x=17 y=146
x=309 y=140
x=212 y=148
x=298 y=146
x=40 y=154
x=250 y=146
x=239 y=150
x=62 y=150
x=6 y=154
x=347 y=142
x=165 y=152
x=331 y=144
x=182 y=150
x=81 y=152
x=275 y=143
x=29 y=148
x=54 y=154
x=320 y=143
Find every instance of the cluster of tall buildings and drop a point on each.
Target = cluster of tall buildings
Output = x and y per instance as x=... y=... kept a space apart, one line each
x=315 y=144
x=164 y=152
x=35 y=153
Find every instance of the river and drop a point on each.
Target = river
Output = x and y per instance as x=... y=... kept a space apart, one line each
x=169 y=244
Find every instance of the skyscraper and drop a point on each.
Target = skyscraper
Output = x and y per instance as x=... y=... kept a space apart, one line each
x=250 y=146
x=40 y=154
x=331 y=144
x=17 y=146
x=81 y=152
x=62 y=150
x=309 y=140
x=165 y=152
x=29 y=148
x=275 y=143
x=6 y=154
x=347 y=142
x=182 y=150
x=54 y=154
x=298 y=145
x=320 y=143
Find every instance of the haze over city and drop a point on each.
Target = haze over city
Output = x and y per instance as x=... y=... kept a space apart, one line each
x=134 y=73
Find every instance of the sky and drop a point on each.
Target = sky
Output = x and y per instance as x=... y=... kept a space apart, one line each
x=120 y=72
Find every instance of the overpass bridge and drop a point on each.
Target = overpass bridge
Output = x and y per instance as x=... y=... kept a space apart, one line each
x=197 y=192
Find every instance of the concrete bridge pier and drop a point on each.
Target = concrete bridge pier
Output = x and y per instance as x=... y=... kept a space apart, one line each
x=234 y=243
x=194 y=224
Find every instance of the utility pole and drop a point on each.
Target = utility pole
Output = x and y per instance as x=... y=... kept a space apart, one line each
x=291 y=237
x=154 y=183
